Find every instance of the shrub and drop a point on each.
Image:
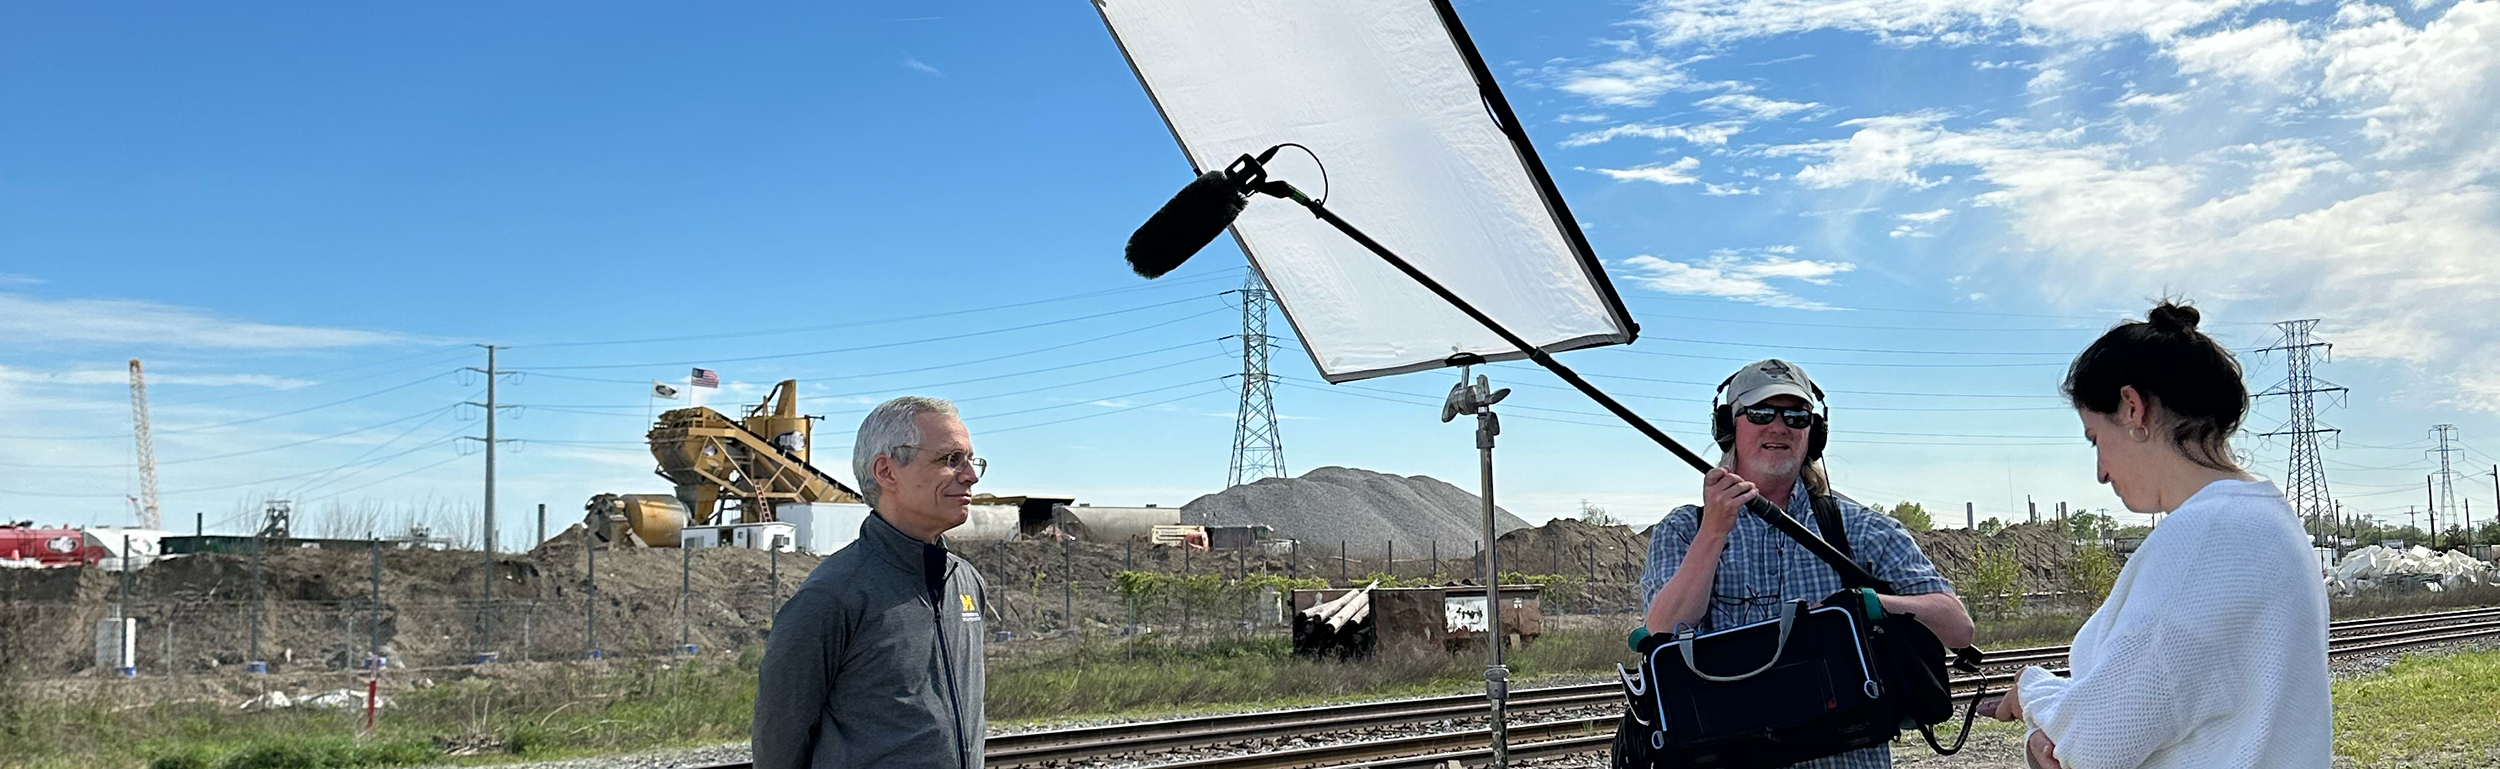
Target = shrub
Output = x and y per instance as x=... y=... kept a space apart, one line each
x=1913 y=516
x=2095 y=571
x=1997 y=577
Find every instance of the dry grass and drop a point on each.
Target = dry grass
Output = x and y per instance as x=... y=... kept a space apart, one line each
x=536 y=711
x=1154 y=676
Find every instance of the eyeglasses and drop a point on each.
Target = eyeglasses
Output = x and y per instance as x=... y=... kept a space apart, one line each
x=1795 y=418
x=959 y=461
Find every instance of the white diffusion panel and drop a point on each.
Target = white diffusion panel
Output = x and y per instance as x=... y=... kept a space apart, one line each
x=1383 y=93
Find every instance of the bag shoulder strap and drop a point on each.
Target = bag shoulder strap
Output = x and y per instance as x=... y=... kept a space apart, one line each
x=1827 y=518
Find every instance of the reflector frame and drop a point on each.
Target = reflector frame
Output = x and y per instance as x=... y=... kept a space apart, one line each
x=1421 y=151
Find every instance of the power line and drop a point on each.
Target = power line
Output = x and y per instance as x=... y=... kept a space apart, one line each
x=320 y=481
x=307 y=441
x=419 y=447
x=1933 y=311
x=1871 y=351
x=881 y=321
x=863 y=348
x=261 y=418
x=2058 y=439
x=1124 y=409
x=1637 y=351
x=370 y=484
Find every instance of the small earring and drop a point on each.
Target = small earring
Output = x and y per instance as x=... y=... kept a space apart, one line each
x=2139 y=433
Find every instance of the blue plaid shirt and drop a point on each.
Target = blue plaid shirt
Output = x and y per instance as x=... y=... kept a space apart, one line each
x=1761 y=568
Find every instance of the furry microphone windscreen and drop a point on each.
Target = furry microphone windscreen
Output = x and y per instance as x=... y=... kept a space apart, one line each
x=1185 y=224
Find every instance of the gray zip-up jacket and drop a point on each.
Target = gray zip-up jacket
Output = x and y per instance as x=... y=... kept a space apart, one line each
x=876 y=661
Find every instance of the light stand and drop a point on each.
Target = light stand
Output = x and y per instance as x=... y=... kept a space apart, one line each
x=1478 y=399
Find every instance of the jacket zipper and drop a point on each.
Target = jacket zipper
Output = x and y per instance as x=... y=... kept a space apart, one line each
x=946 y=662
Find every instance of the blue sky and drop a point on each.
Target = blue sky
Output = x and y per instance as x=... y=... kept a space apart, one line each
x=302 y=216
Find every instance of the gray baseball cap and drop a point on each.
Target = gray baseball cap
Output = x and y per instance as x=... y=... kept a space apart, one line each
x=1761 y=380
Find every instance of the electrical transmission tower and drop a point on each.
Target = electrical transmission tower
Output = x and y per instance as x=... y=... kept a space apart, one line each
x=148 y=518
x=1258 y=450
x=2304 y=484
x=2446 y=479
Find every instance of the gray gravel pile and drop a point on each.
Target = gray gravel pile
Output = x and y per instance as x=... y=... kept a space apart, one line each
x=1365 y=509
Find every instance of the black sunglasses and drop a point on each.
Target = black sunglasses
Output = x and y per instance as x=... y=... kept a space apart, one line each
x=1795 y=418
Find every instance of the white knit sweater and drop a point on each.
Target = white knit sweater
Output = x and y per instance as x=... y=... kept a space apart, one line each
x=2209 y=653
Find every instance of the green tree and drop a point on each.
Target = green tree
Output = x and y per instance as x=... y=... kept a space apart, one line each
x=1990 y=527
x=1997 y=579
x=1597 y=516
x=1913 y=516
x=2093 y=572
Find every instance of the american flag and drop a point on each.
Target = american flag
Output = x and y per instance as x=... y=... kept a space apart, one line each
x=704 y=377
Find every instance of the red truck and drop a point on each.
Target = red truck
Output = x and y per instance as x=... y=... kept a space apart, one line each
x=25 y=545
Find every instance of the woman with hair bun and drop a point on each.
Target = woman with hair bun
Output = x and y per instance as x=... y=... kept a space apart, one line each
x=2211 y=648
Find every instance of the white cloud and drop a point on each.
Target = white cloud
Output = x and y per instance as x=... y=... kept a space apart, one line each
x=1914 y=225
x=8 y=279
x=1636 y=82
x=1580 y=117
x=1944 y=22
x=2164 y=102
x=915 y=64
x=1756 y=107
x=1722 y=190
x=1741 y=275
x=2266 y=53
x=35 y=320
x=1678 y=172
x=2274 y=227
x=1714 y=134
x=155 y=377
x=2427 y=89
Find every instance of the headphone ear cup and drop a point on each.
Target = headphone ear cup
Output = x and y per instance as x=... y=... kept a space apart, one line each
x=1722 y=427
x=1820 y=436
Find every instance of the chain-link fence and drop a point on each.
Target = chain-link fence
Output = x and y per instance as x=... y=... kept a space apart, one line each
x=343 y=608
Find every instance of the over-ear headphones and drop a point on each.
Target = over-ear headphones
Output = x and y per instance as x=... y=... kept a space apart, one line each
x=1723 y=419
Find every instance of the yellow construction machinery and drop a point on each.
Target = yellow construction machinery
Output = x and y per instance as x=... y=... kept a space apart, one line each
x=752 y=463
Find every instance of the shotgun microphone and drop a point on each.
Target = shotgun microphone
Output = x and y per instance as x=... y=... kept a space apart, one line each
x=1201 y=211
x=1187 y=223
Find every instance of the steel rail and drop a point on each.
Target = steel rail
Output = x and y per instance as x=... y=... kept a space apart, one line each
x=1586 y=735
x=1076 y=744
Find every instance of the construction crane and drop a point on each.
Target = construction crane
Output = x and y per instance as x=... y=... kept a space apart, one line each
x=148 y=518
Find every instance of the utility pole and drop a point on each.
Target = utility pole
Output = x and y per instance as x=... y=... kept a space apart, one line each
x=486 y=609
x=147 y=448
x=1258 y=449
x=2430 y=498
x=1970 y=516
x=2304 y=484
x=2447 y=476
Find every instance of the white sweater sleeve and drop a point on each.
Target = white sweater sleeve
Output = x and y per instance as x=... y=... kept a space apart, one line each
x=2117 y=713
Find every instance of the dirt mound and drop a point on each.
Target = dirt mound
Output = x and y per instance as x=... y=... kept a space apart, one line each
x=317 y=610
x=2043 y=552
x=1364 y=509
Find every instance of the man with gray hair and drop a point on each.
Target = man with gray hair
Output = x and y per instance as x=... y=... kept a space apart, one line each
x=876 y=660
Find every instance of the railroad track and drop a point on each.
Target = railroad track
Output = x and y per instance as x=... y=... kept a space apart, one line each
x=1559 y=737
